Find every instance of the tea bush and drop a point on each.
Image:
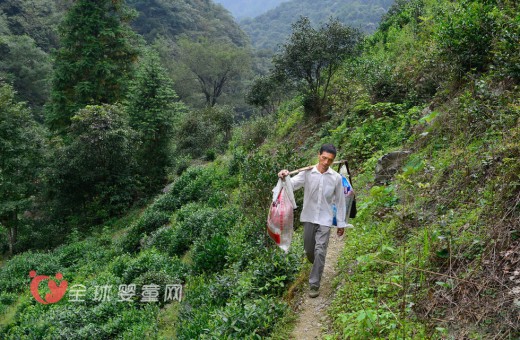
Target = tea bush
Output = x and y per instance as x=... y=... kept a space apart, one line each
x=149 y=221
x=14 y=276
x=194 y=221
x=273 y=269
x=152 y=261
x=197 y=306
x=6 y=299
x=195 y=184
x=210 y=254
x=247 y=319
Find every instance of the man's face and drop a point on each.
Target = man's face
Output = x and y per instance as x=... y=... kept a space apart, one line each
x=326 y=159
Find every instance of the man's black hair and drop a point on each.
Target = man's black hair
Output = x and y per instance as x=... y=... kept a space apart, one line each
x=328 y=148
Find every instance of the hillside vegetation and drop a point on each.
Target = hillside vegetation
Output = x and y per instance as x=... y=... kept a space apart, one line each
x=435 y=250
x=29 y=31
x=271 y=29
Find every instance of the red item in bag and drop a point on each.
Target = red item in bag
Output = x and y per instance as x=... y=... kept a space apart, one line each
x=281 y=216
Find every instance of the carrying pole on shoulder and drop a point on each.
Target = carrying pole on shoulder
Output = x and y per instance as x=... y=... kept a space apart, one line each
x=294 y=172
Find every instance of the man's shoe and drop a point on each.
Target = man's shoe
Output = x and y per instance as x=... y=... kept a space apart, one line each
x=314 y=292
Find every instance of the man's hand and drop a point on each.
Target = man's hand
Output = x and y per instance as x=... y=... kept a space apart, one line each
x=283 y=173
x=341 y=231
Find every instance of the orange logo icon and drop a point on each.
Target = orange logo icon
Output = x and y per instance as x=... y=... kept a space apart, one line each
x=57 y=290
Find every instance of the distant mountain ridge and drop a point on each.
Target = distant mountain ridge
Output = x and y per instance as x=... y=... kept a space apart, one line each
x=39 y=19
x=242 y=9
x=270 y=29
x=193 y=18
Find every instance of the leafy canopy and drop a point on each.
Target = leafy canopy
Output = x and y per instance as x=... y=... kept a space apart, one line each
x=215 y=64
x=95 y=173
x=312 y=56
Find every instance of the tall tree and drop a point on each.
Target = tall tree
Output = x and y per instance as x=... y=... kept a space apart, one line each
x=153 y=108
x=216 y=65
x=94 y=61
x=21 y=151
x=94 y=174
x=312 y=56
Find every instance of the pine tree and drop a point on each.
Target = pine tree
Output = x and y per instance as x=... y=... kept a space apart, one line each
x=94 y=61
x=153 y=107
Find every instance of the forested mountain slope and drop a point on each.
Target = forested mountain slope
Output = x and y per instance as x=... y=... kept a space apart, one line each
x=29 y=32
x=248 y=8
x=269 y=30
x=193 y=18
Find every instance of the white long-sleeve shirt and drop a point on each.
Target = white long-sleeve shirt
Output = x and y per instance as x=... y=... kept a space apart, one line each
x=320 y=191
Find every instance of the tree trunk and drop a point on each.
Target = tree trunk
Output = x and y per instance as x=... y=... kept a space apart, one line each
x=12 y=232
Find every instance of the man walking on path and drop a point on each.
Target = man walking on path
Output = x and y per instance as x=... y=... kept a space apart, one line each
x=322 y=187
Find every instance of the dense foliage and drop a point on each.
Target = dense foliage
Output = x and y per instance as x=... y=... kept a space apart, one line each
x=94 y=174
x=154 y=109
x=21 y=147
x=94 y=62
x=311 y=57
x=216 y=65
x=172 y=18
x=29 y=33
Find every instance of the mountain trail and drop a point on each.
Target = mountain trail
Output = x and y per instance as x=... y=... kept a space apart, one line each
x=313 y=319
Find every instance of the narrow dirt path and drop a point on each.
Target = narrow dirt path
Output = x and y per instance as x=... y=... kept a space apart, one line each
x=313 y=312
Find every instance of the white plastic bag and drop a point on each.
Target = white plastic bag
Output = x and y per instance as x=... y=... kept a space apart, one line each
x=349 y=196
x=280 y=220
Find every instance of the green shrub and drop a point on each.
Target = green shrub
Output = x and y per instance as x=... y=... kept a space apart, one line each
x=102 y=320
x=505 y=54
x=14 y=275
x=273 y=270
x=246 y=242
x=247 y=319
x=6 y=299
x=195 y=184
x=159 y=278
x=34 y=234
x=385 y=125
x=72 y=254
x=197 y=306
x=82 y=320
x=258 y=176
x=149 y=221
x=195 y=221
x=253 y=133
x=207 y=128
x=209 y=255
x=465 y=34
x=162 y=239
x=153 y=261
